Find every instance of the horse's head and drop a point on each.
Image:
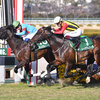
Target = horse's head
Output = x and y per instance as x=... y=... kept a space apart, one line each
x=7 y=32
x=42 y=34
x=45 y=33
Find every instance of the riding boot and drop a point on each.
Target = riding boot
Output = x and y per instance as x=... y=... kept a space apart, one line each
x=76 y=41
x=26 y=40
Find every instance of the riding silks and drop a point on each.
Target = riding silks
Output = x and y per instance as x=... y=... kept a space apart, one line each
x=85 y=44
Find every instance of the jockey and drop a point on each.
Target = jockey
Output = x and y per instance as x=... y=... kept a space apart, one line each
x=26 y=31
x=70 y=30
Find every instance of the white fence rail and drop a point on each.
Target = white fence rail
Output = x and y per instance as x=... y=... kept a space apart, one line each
x=50 y=20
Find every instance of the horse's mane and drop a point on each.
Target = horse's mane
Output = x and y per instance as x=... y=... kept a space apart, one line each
x=49 y=28
x=13 y=31
x=11 y=28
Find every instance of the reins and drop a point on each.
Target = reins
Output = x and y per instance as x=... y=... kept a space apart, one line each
x=49 y=36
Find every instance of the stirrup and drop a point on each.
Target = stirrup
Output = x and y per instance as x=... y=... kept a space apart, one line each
x=77 y=45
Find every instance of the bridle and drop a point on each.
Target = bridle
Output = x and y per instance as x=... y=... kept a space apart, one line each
x=41 y=38
x=8 y=37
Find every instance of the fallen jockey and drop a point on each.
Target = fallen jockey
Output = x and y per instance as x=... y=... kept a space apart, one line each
x=26 y=31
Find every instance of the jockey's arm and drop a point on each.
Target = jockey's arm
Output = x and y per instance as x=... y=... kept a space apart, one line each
x=62 y=29
x=23 y=32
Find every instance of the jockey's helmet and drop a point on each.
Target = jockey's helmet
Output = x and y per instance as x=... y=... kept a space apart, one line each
x=16 y=23
x=57 y=19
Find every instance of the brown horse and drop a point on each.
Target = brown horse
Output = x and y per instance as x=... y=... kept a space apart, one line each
x=22 y=49
x=65 y=54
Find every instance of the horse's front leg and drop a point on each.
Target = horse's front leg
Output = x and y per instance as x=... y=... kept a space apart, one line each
x=27 y=68
x=16 y=68
x=20 y=65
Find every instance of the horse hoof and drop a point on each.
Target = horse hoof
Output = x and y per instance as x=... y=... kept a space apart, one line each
x=88 y=79
x=15 y=70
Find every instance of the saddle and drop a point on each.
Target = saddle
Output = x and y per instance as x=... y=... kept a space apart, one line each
x=76 y=42
x=81 y=43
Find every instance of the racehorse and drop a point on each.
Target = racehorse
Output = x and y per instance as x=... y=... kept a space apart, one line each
x=22 y=49
x=65 y=54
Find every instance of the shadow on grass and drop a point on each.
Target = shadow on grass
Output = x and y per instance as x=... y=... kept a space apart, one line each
x=92 y=84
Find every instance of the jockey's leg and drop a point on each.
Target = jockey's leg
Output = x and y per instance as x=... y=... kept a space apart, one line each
x=75 y=40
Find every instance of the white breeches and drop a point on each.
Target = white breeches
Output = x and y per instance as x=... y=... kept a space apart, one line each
x=30 y=36
x=75 y=33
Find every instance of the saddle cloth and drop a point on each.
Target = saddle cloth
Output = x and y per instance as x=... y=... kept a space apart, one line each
x=43 y=44
x=85 y=44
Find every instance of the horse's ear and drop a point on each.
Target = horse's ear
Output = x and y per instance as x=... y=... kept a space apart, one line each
x=49 y=28
x=11 y=28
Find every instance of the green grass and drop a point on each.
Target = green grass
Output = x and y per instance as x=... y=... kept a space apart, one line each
x=56 y=92
x=89 y=24
x=81 y=25
x=89 y=32
x=98 y=24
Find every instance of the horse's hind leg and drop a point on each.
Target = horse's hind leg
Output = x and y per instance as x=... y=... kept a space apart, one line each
x=68 y=67
x=50 y=67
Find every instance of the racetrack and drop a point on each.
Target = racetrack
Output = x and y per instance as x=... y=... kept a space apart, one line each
x=23 y=91
x=55 y=92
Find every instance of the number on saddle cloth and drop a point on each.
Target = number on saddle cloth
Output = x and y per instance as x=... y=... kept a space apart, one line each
x=85 y=44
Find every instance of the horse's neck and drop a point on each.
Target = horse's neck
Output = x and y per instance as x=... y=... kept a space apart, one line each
x=15 y=44
x=56 y=42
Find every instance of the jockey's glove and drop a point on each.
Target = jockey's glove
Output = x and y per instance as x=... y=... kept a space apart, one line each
x=52 y=31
